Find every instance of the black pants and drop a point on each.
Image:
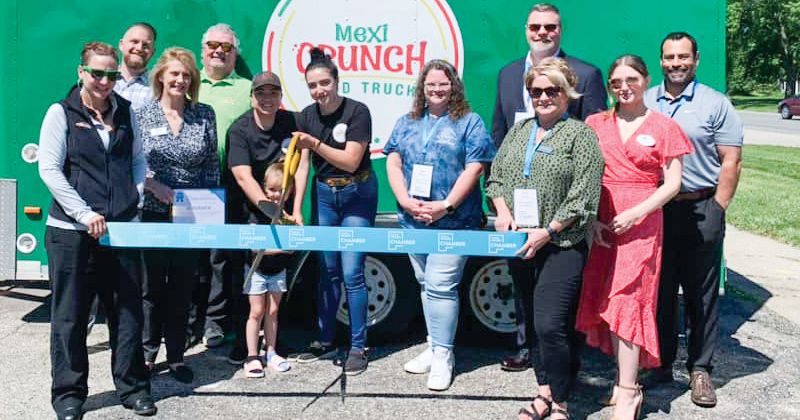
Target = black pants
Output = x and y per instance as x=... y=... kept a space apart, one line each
x=693 y=235
x=218 y=301
x=549 y=288
x=80 y=268
x=166 y=293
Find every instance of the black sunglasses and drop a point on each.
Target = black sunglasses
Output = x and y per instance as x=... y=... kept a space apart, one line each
x=113 y=75
x=534 y=27
x=551 y=91
x=226 y=46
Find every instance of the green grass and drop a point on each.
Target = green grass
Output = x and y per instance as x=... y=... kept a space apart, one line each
x=763 y=103
x=767 y=201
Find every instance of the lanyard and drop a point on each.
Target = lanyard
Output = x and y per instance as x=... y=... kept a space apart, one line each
x=533 y=146
x=662 y=99
x=426 y=135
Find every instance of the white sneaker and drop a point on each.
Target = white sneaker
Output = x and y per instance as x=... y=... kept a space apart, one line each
x=442 y=365
x=421 y=363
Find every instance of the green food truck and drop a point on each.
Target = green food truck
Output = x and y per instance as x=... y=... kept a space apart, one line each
x=379 y=47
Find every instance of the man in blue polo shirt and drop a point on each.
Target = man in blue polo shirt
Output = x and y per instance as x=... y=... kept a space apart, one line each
x=694 y=221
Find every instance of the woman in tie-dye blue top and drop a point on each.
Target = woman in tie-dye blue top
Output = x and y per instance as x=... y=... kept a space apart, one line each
x=435 y=158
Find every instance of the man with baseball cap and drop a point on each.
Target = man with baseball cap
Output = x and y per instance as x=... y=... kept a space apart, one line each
x=254 y=142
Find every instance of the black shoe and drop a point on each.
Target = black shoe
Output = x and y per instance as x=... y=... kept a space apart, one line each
x=519 y=362
x=238 y=356
x=657 y=377
x=181 y=373
x=143 y=407
x=315 y=351
x=70 y=413
x=356 y=362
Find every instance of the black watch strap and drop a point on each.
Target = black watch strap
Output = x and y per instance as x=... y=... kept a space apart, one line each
x=553 y=233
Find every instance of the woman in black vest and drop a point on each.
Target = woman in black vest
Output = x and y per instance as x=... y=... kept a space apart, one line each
x=93 y=165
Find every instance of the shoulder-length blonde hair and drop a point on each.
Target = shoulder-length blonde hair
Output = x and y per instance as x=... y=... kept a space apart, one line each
x=559 y=73
x=186 y=58
x=457 y=106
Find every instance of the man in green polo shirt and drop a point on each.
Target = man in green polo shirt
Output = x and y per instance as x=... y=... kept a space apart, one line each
x=220 y=87
x=218 y=302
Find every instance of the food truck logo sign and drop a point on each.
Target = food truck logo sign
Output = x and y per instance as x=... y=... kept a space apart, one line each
x=379 y=48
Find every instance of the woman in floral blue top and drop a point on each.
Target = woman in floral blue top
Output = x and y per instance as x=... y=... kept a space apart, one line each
x=180 y=143
x=440 y=135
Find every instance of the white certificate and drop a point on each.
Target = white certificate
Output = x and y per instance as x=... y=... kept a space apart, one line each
x=526 y=207
x=199 y=205
x=421 y=177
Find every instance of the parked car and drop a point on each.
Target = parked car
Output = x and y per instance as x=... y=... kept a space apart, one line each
x=789 y=107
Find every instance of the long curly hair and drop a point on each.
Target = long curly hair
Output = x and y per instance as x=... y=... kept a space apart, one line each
x=457 y=106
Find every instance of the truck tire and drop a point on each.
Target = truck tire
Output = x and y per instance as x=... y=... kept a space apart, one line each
x=488 y=316
x=393 y=297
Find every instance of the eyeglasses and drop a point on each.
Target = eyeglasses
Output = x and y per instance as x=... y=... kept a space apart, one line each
x=438 y=86
x=534 y=27
x=617 y=83
x=113 y=75
x=551 y=91
x=226 y=46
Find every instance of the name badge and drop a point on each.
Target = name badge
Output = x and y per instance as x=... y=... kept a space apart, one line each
x=526 y=207
x=646 y=140
x=545 y=149
x=159 y=131
x=523 y=115
x=421 y=178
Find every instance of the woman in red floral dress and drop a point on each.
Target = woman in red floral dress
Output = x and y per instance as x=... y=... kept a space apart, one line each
x=642 y=150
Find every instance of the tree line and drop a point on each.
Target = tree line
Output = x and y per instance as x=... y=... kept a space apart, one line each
x=763 y=50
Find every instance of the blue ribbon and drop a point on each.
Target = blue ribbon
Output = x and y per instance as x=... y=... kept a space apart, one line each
x=314 y=238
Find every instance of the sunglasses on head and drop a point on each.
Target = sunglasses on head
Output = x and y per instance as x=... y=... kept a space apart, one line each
x=113 y=75
x=226 y=46
x=551 y=91
x=534 y=27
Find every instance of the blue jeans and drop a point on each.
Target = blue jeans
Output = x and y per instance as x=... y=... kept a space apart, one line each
x=353 y=205
x=439 y=276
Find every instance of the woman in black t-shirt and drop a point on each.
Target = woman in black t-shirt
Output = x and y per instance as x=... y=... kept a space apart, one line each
x=338 y=131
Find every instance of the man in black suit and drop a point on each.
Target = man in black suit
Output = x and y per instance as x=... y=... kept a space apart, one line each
x=543 y=32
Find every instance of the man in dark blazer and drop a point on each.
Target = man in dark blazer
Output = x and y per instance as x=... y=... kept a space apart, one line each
x=543 y=32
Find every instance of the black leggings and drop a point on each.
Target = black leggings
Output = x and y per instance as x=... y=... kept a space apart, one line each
x=550 y=287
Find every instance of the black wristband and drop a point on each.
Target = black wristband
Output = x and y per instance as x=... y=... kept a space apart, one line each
x=553 y=233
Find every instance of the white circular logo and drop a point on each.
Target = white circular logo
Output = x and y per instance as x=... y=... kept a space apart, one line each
x=646 y=140
x=340 y=133
x=379 y=48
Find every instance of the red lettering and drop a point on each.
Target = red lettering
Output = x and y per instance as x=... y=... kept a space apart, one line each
x=300 y=67
x=353 y=58
x=410 y=58
x=375 y=61
x=387 y=64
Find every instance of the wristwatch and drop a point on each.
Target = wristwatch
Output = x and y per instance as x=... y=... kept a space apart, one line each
x=449 y=207
x=553 y=233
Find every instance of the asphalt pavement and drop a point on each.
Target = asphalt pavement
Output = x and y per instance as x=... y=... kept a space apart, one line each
x=768 y=128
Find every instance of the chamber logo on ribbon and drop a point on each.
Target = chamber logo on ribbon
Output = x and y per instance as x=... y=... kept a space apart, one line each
x=297 y=238
x=248 y=237
x=447 y=241
x=497 y=243
x=396 y=241
x=379 y=47
x=198 y=236
x=348 y=238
